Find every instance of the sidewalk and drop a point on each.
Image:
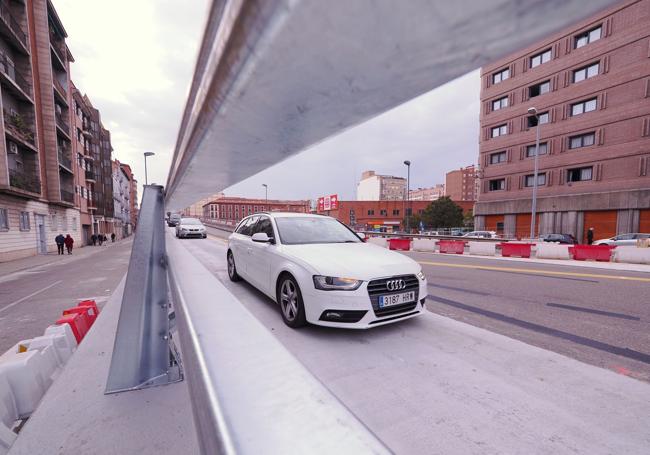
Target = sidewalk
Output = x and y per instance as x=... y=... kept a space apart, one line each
x=10 y=268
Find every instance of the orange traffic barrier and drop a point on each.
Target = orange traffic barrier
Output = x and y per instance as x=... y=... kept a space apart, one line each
x=399 y=244
x=451 y=246
x=600 y=253
x=93 y=311
x=515 y=249
x=78 y=324
x=82 y=311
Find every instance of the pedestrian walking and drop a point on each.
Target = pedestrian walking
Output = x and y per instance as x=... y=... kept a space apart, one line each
x=105 y=238
x=60 y=241
x=100 y=239
x=590 y=236
x=69 y=241
x=113 y=237
x=93 y=238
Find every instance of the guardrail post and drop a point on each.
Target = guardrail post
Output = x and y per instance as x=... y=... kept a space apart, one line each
x=143 y=355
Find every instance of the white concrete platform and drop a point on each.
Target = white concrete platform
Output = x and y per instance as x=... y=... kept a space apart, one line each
x=75 y=417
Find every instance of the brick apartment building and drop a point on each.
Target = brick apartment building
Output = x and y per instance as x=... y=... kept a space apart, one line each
x=133 y=195
x=590 y=84
x=461 y=184
x=46 y=172
x=231 y=210
x=388 y=216
x=375 y=187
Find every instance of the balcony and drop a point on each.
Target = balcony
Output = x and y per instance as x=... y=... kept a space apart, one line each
x=17 y=127
x=59 y=53
x=60 y=91
x=67 y=196
x=65 y=160
x=62 y=124
x=24 y=181
x=11 y=24
x=15 y=80
x=90 y=175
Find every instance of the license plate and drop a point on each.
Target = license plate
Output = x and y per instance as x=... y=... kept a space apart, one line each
x=396 y=299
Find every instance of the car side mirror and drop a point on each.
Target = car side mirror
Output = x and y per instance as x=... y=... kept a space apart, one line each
x=362 y=236
x=262 y=237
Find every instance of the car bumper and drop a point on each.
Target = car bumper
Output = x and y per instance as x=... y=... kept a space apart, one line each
x=196 y=235
x=354 y=310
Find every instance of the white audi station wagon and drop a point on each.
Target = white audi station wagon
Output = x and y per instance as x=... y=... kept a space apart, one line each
x=321 y=272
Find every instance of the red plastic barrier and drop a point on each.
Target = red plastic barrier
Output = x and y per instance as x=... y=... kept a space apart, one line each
x=600 y=253
x=93 y=311
x=451 y=246
x=515 y=249
x=77 y=323
x=83 y=312
x=399 y=244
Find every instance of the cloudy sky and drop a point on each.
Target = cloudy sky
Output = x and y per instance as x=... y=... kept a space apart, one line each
x=136 y=68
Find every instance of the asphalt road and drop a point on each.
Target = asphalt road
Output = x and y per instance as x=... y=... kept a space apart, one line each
x=32 y=299
x=597 y=316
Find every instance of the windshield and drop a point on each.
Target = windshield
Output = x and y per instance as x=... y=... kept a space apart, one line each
x=303 y=230
x=191 y=221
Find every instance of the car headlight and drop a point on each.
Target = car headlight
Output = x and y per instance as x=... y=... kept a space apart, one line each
x=332 y=283
x=421 y=276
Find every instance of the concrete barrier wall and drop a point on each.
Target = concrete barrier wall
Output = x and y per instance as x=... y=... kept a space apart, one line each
x=423 y=245
x=8 y=415
x=631 y=255
x=482 y=248
x=380 y=241
x=552 y=251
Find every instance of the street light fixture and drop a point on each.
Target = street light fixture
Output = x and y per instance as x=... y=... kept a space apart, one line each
x=266 y=195
x=533 y=215
x=146 y=154
x=408 y=196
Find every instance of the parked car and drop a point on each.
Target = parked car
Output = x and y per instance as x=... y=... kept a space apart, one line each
x=481 y=235
x=191 y=227
x=622 y=239
x=565 y=239
x=320 y=272
x=173 y=219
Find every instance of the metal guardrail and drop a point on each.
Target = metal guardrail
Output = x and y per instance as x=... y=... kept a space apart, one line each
x=434 y=237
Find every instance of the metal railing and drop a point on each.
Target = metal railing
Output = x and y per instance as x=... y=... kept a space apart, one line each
x=16 y=124
x=59 y=87
x=19 y=179
x=64 y=159
x=90 y=175
x=12 y=23
x=8 y=67
x=61 y=123
x=67 y=196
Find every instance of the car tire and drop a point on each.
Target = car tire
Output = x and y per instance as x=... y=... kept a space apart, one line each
x=232 y=268
x=290 y=301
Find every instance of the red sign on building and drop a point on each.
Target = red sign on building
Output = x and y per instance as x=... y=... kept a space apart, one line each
x=330 y=202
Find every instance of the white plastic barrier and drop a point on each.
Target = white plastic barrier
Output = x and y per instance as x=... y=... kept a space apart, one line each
x=28 y=374
x=380 y=241
x=61 y=337
x=546 y=250
x=482 y=248
x=423 y=244
x=632 y=255
x=8 y=415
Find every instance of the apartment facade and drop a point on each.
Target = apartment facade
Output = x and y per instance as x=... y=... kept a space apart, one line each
x=375 y=187
x=230 y=210
x=37 y=169
x=590 y=85
x=427 y=194
x=121 y=201
x=461 y=184
x=133 y=195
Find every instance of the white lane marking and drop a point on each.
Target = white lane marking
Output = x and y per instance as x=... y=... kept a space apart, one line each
x=30 y=295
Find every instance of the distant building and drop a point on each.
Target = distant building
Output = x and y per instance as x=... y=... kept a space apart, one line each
x=387 y=216
x=133 y=195
x=374 y=187
x=230 y=210
x=590 y=84
x=461 y=184
x=121 y=201
x=427 y=194
x=196 y=210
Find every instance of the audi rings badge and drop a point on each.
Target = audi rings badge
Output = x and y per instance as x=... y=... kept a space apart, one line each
x=395 y=285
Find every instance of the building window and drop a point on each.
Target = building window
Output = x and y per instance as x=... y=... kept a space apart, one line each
x=587 y=37
x=500 y=130
x=529 y=180
x=540 y=58
x=539 y=89
x=351 y=212
x=409 y=212
x=395 y=212
x=4 y=220
x=500 y=103
x=371 y=212
x=584 y=106
x=542 y=118
x=586 y=72
x=501 y=76
x=582 y=140
x=496 y=158
x=497 y=184
x=383 y=212
x=530 y=149
x=255 y=208
x=579 y=174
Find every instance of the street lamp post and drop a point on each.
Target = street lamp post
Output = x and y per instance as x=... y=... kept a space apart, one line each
x=533 y=215
x=266 y=195
x=408 y=196
x=146 y=154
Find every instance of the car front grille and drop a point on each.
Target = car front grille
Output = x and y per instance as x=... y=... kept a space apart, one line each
x=378 y=287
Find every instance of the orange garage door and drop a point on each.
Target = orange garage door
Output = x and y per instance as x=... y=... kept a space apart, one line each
x=644 y=221
x=603 y=222
x=522 y=227
x=494 y=223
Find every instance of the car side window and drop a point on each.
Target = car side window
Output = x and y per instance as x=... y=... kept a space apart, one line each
x=241 y=229
x=264 y=225
x=247 y=227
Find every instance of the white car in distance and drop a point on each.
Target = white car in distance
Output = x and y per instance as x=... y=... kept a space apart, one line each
x=191 y=227
x=321 y=272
